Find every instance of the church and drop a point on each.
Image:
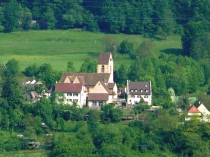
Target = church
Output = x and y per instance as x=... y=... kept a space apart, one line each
x=90 y=89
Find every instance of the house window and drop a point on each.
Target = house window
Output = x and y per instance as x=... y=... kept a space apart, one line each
x=102 y=68
x=100 y=103
x=132 y=96
x=69 y=94
x=145 y=96
x=75 y=100
x=75 y=94
x=138 y=96
x=94 y=103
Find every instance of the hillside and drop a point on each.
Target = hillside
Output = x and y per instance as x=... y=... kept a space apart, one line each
x=58 y=47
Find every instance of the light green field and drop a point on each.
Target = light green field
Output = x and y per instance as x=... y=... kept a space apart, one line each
x=26 y=153
x=58 y=47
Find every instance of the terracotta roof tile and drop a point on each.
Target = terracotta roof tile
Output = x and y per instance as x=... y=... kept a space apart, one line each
x=87 y=79
x=105 y=87
x=104 y=58
x=111 y=85
x=98 y=96
x=68 y=87
x=193 y=109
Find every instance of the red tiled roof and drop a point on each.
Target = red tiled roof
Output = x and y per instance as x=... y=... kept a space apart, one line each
x=87 y=79
x=104 y=58
x=105 y=87
x=68 y=87
x=98 y=96
x=110 y=85
x=193 y=109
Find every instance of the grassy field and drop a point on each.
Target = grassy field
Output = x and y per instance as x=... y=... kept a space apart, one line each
x=27 y=153
x=58 y=47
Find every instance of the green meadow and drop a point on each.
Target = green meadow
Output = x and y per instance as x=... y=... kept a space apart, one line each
x=58 y=47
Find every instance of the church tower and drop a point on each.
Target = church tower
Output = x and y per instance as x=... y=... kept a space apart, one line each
x=106 y=65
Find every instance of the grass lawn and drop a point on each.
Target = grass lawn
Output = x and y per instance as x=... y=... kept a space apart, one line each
x=26 y=153
x=58 y=47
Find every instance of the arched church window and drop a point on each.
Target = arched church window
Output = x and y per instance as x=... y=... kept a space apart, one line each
x=102 y=68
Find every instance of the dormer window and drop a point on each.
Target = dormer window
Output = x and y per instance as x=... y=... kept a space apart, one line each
x=141 y=90
x=131 y=90
x=135 y=90
x=145 y=85
x=146 y=90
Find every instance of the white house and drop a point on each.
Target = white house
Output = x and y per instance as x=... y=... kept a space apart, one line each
x=205 y=112
x=203 y=109
x=72 y=92
x=137 y=91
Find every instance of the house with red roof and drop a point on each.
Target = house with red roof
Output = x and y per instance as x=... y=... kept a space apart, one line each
x=72 y=92
x=193 y=111
x=99 y=95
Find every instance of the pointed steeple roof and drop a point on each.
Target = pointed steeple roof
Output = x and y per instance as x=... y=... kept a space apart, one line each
x=193 y=109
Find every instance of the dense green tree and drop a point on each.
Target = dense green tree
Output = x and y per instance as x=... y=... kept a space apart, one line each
x=46 y=74
x=135 y=70
x=72 y=146
x=11 y=68
x=110 y=44
x=70 y=67
x=145 y=49
x=121 y=75
x=1 y=20
x=111 y=113
x=125 y=47
x=192 y=31
x=94 y=115
x=25 y=18
x=31 y=70
x=49 y=17
x=44 y=108
x=200 y=48
x=11 y=12
x=88 y=66
x=166 y=122
x=164 y=18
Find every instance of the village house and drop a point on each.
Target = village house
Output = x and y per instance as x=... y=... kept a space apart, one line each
x=72 y=92
x=100 y=95
x=201 y=112
x=137 y=91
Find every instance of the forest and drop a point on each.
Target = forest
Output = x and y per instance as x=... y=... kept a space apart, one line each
x=64 y=130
